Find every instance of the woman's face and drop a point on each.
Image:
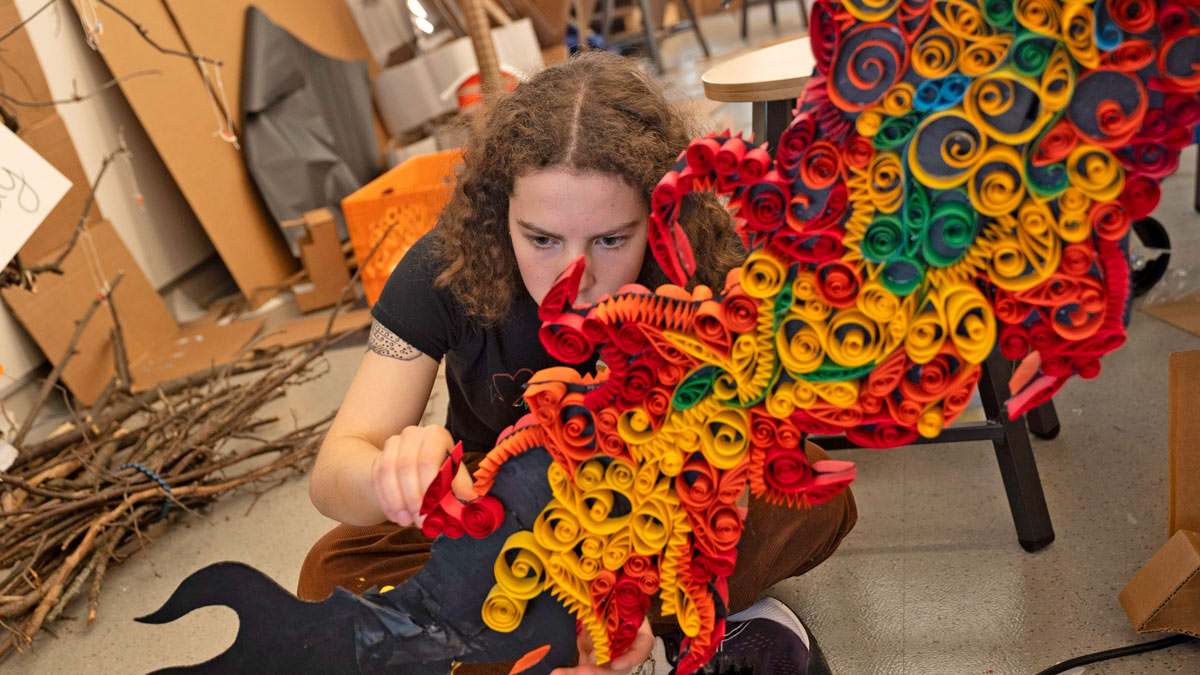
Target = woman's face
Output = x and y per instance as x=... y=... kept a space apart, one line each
x=556 y=215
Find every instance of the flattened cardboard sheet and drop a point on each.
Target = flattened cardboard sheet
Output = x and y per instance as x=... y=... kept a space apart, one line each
x=310 y=329
x=30 y=188
x=49 y=314
x=19 y=57
x=1184 y=442
x=1165 y=594
x=192 y=350
x=50 y=139
x=158 y=349
x=177 y=113
x=1183 y=313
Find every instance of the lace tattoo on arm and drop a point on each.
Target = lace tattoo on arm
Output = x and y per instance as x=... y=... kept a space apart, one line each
x=386 y=343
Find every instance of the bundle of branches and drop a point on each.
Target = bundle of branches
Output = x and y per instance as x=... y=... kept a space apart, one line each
x=94 y=493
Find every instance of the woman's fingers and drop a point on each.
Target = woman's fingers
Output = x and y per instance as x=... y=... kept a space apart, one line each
x=638 y=652
x=463 y=485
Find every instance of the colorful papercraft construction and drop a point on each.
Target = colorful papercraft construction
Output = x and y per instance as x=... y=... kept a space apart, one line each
x=960 y=178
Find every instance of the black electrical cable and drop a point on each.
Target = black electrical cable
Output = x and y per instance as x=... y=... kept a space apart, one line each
x=1130 y=650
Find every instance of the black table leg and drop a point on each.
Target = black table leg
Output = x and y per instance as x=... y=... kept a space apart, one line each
x=745 y=19
x=769 y=119
x=1043 y=421
x=1015 y=456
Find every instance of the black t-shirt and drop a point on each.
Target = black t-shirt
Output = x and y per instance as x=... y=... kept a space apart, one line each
x=486 y=367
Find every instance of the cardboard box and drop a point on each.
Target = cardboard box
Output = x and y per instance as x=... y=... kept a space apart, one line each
x=1165 y=594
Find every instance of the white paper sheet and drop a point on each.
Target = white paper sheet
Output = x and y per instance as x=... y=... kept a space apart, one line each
x=30 y=187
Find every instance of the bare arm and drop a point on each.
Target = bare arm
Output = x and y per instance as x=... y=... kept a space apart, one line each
x=374 y=463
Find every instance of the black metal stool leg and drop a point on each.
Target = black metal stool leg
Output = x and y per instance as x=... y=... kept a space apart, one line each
x=1043 y=421
x=774 y=17
x=687 y=7
x=1197 y=197
x=1015 y=456
x=745 y=19
x=803 y=14
x=651 y=35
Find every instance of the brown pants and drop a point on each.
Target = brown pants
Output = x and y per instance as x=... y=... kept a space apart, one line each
x=778 y=543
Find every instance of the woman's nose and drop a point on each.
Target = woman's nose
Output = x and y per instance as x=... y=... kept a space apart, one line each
x=588 y=280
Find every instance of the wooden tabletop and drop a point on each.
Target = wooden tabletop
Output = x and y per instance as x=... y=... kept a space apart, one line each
x=772 y=73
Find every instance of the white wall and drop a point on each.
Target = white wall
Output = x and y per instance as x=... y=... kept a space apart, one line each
x=164 y=235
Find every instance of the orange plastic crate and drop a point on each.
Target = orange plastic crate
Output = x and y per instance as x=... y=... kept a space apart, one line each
x=410 y=195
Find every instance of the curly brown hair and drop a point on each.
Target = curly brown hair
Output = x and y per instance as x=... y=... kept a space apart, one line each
x=595 y=113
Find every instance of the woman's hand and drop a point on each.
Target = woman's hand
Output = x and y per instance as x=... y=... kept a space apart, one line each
x=405 y=468
x=639 y=651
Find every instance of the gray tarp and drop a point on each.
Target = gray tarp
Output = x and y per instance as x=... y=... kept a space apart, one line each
x=307 y=127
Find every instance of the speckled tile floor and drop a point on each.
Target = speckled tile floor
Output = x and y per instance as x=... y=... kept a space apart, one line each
x=931 y=581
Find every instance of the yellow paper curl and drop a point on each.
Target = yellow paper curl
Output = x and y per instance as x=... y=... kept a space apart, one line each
x=502 y=612
x=804 y=351
x=1058 y=81
x=961 y=18
x=887 y=182
x=997 y=185
x=557 y=527
x=1040 y=16
x=982 y=56
x=762 y=274
x=935 y=53
x=525 y=576
x=960 y=151
x=1078 y=26
x=931 y=421
x=725 y=437
x=1096 y=172
x=839 y=394
x=871 y=10
x=927 y=332
x=970 y=321
x=853 y=339
x=899 y=99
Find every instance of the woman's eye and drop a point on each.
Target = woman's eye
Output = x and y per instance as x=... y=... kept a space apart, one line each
x=611 y=242
x=540 y=242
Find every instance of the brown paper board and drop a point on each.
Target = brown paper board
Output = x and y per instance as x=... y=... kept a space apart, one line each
x=49 y=314
x=1183 y=313
x=312 y=328
x=321 y=254
x=1165 y=594
x=216 y=30
x=152 y=337
x=177 y=113
x=1184 y=443
x=19 y=57
x=191 y=350
x=49 y=138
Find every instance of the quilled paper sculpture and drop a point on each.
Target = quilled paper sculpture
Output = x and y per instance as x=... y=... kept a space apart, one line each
x=960 y=178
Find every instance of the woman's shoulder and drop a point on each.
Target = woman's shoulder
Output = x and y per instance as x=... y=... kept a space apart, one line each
x=413 y=307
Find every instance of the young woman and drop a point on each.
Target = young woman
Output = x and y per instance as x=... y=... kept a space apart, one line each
x=560 y=167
